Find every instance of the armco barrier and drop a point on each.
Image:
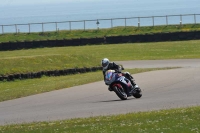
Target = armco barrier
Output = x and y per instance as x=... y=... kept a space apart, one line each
x=31 y=75
x=175 y=36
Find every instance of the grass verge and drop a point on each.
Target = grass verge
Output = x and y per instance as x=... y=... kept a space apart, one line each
x=182 y=120
x=116 y=31
x=59 y=58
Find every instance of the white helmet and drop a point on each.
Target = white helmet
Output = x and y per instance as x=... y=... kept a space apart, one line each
x=105 y=62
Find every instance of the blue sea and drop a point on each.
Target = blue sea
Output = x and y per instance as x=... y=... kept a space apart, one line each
x=102 y=11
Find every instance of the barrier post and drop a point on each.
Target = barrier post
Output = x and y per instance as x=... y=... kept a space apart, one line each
x=180 y=20
x=16 y=28
x=56 y=27
x=138 y=22
x=84 y=25
x=125 y=22
x=111 y=23
x=70 y=25
x=166 y=20
x=153 y=20
x=97 y=24
x=42 y=27
x=29 y=28
x=2 y=30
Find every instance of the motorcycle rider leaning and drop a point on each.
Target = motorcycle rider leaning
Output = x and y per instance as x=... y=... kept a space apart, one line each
x=107 y=65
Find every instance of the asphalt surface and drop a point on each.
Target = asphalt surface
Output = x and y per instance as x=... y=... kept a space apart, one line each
x=162 y=89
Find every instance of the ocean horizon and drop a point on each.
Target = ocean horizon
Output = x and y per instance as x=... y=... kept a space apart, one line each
x=95 y=10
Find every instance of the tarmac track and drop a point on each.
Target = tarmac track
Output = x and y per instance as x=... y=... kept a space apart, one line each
x=162 y=89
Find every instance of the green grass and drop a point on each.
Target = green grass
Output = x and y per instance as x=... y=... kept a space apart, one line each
x=176 y=120
x=33 y=60
x=129 y=30
x=22 y=88
x=182 y=120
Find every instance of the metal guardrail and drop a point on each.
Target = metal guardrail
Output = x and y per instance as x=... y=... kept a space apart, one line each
x=101 y=23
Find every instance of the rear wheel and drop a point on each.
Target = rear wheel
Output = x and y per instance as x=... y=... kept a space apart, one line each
x=137 y=93
x=120 y=92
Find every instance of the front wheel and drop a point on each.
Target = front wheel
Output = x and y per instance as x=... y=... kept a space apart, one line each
x=120 y=92
x=137 y=93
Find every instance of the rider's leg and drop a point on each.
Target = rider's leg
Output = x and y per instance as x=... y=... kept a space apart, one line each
x=128 y=76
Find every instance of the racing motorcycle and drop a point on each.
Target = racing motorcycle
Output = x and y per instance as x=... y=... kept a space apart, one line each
x=121 y=85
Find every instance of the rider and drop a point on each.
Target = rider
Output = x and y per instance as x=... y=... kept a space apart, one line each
x=107 y=65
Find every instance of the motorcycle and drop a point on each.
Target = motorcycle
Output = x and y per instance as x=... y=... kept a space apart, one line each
x=121 y=85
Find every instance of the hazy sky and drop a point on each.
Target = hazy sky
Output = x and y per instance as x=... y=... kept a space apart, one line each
x=31 y=2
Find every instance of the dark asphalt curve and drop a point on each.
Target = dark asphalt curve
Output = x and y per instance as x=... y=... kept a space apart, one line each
x=162 y=89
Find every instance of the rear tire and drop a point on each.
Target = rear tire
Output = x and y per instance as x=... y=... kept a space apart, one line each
x=120 y=92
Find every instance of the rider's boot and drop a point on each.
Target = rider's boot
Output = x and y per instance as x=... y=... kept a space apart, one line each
x=134 y=86
x=133 y=82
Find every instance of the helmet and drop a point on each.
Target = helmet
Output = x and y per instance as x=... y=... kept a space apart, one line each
x=105 y=62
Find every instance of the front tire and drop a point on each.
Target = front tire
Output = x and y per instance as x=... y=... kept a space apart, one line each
x=120 y=92
x=137 y=93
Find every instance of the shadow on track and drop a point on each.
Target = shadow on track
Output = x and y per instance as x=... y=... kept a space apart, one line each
x=118 y=100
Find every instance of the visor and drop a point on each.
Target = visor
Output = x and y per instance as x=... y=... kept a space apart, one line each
x=104 y=64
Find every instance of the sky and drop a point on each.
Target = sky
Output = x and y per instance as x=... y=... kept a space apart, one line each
x=5 y=3
x=24 y=2
x=31 y=2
